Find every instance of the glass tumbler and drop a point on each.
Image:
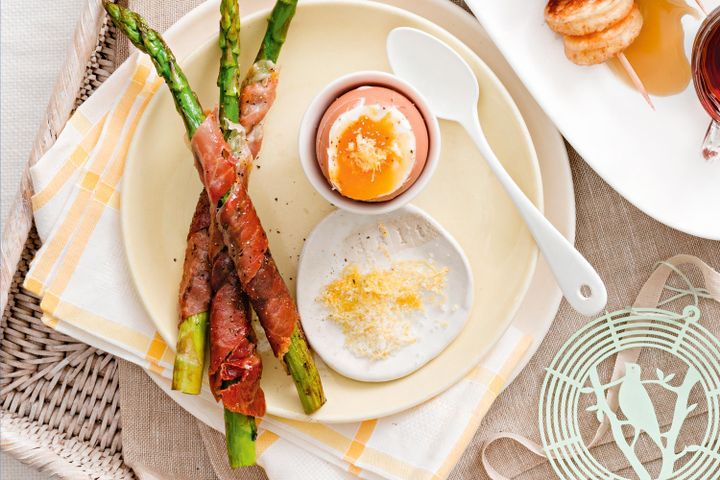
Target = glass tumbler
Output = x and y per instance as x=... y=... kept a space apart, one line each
x=706 y=77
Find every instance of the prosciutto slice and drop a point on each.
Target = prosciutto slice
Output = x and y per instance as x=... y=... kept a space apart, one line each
x=195 y=283
x=256 y=98
x=248 y=247
x=235 y=365
x=247 y=243
x=219 y=174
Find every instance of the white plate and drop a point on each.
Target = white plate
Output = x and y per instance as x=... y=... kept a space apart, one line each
x=652 y=158
x=374 y=241
x=540 y=305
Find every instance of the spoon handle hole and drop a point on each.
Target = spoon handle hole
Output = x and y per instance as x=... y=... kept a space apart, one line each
x=585 y=291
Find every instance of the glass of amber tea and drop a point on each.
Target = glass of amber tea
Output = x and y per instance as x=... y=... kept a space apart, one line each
x=706 y=77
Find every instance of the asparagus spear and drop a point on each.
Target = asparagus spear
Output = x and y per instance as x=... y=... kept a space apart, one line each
x=278 y=25
x=190 y=352
x=298 y=359
x=240 y=430
x=192 y=333
x=149 y=41
x=307 y=380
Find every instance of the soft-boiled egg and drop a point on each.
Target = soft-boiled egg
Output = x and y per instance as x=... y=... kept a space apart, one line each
x=372 y=144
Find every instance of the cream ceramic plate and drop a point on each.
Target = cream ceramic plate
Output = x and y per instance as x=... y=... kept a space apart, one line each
x=328 y=39
x=540 y=305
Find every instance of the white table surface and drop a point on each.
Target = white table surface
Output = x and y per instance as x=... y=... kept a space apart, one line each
x=35 y=37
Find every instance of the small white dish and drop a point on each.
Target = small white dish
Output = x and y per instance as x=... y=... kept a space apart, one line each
x=308 y=132
x=343 y=238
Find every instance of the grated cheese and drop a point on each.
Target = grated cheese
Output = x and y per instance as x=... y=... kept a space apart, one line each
x=383 y=230
x=366 y=155
x=375 y=309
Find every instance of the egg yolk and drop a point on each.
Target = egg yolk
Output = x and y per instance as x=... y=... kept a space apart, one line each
x=368 y=161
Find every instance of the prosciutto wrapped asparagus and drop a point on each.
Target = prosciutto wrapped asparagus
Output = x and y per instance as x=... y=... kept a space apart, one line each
x=268 y=294
x=235 y=365
x=195 y=294
x=231 y=337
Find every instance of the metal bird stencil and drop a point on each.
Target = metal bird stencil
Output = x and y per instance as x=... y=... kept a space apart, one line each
x=573 y=374
x=639 y=410
x=629 y=403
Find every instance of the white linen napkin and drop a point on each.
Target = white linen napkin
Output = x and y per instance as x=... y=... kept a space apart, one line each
x=81 y=274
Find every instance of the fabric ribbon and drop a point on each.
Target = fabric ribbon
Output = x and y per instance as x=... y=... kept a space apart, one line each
x=649 y=297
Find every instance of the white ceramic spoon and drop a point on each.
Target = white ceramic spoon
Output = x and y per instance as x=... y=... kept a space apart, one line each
x=451 y=89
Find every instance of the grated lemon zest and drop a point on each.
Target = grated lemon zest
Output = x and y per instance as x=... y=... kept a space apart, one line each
x=374 y=309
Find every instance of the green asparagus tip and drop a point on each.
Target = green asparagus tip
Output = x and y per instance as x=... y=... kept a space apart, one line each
x=148 y=41
x=228 y=82
x=278 y=25
x=124 y=20
x=304 y=373
x=190 y=356
x=240 y=435
x=110 y=7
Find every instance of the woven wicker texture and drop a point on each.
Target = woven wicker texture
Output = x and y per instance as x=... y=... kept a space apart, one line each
x=56 y=392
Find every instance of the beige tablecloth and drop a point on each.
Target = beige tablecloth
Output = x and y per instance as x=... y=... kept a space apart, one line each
x=623 y=244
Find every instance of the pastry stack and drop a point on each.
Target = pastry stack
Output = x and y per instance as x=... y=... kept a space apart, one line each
x=594 y=31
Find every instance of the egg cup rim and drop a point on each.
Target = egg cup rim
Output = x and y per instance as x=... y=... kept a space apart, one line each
x=311 y=122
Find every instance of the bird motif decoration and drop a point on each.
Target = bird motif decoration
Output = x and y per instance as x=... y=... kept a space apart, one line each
x=625 y=404
x=638 y=409
x=637 y=406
